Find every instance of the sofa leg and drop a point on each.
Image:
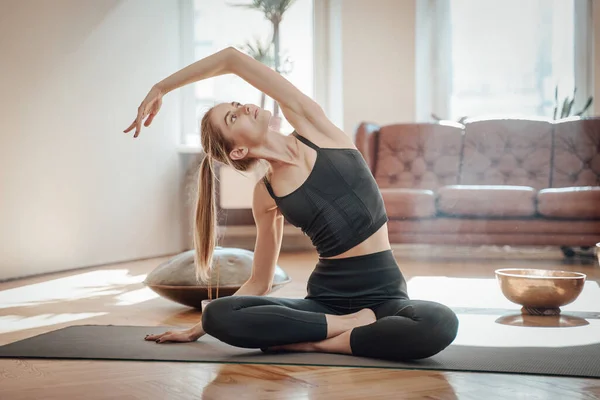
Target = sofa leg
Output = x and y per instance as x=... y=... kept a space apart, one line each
x=583 y=252
x=568 y=251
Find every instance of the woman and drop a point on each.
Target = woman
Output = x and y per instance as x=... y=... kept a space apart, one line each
x=357 y=301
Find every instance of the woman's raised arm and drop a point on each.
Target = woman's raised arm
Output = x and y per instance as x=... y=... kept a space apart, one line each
x=298 y=108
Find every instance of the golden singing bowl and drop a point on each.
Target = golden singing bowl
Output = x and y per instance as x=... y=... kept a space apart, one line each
x=540 y=291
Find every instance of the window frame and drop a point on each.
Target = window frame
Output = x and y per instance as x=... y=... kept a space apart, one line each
x=326 y=79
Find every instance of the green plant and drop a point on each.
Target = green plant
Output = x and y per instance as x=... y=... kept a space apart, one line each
x=260 y=52
x=566 y=106
x=273 y=11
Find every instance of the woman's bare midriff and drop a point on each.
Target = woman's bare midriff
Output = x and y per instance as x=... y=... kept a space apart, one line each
x=379 y=241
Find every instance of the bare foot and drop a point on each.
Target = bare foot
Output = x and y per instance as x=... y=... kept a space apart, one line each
x=299 y=347
x=363 y=317
x=335 y=344
x=339 y=344
x=338 y=324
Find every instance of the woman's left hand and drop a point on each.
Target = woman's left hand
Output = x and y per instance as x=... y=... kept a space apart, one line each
x=149 y=107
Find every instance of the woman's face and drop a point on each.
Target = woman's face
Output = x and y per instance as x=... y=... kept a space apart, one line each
x=245 y=125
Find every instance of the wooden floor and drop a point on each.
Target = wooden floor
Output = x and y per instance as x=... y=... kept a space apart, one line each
x=115 y=294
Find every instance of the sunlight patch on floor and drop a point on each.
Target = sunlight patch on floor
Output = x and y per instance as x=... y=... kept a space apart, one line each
x=486 y=293
x=135 y=297
x=482 y=331
x=80 y=286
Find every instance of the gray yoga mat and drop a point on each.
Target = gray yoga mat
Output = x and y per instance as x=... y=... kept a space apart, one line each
x=114 y=342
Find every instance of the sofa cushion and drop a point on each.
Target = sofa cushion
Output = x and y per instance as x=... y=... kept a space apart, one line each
x=576 y=153
x=507 y=152
x=409 y=203
x=418 y=156
x=574 y=202
x=486 y=201
x=497 y=226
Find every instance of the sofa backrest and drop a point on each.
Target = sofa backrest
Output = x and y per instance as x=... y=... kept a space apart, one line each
x=576 y=156
x=416 y=155
x=507 y=152
x=526 y=152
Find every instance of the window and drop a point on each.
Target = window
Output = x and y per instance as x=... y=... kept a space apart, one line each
x=218 y=24
x=508 y=56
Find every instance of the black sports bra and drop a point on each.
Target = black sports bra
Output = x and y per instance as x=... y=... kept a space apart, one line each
x=339 y=205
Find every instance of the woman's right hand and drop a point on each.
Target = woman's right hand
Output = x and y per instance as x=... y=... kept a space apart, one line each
x=174 y=336
x=149 y=107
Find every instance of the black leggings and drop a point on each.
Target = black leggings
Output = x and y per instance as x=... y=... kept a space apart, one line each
x=405 y=329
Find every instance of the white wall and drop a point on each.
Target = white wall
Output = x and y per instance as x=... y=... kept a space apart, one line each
x=76 y=191
x=378 y=52
x=595 y=105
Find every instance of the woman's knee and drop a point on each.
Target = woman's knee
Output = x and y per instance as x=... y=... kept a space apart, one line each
x=435 y=328
x=439 y=325
x=434 y=314
x=217 y=316
x=446 y=324
x=410 y=330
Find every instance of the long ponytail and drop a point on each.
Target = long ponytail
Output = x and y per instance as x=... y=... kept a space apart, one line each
x=206 y=220
x=217 y=148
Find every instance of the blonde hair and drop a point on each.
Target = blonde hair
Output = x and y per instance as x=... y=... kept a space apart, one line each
x=216 y=147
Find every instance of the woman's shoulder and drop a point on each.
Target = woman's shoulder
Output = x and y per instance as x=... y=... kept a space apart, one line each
x=262 y=198
x=326 y=140
x=318 y=128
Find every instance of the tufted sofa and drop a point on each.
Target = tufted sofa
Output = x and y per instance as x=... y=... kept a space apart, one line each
x=492 y=181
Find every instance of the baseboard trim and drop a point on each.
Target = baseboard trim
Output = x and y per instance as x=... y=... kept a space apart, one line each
x=250 y=230
x=245 y=237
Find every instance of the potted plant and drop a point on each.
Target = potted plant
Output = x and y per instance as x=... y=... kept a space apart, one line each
x=262 y=53
x=273 y=10
x=567 y=105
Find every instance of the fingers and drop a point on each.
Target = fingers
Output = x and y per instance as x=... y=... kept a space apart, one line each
x=135 y=124
x=149 y=107
x=149 y=120
x=157 y=336
x=151 y=337
x=161 y=338
x=138 y=123
x=130 y=127
x=164 y=338
x=155 y=109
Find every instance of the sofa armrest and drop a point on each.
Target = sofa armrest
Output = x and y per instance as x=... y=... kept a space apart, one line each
x=366 y=142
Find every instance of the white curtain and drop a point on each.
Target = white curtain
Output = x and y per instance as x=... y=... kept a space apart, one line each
x=433 y=59
x=584 y=56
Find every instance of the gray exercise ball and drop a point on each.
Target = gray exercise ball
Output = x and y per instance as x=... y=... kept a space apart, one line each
x=175 y=279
